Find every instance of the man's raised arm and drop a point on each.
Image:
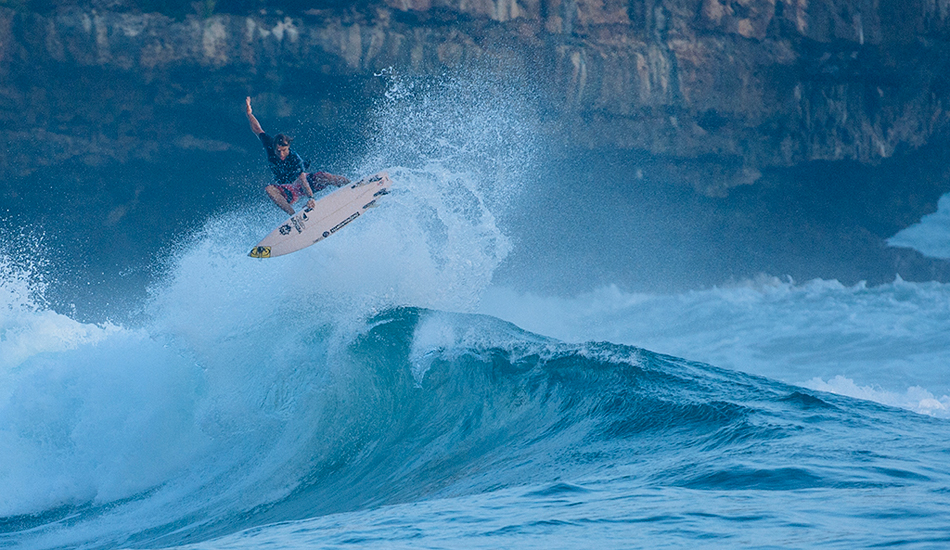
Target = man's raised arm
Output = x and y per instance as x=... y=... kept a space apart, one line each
x=255 y=125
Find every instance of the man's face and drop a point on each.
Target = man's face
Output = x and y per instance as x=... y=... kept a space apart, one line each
x=283 y=151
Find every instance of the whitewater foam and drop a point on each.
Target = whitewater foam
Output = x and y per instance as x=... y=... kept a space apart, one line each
x=915 y=398
x=931 y=235
x=89 y=411
x=28 y=327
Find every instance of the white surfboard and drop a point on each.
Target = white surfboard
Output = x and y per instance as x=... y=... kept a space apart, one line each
x=330 y=214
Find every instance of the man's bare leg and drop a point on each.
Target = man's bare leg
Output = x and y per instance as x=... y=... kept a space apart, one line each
x=279 y=199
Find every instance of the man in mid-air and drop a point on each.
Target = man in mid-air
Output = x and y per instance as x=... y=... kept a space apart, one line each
x=290 y=181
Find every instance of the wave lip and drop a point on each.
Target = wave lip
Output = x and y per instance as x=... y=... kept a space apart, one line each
x=883 y=343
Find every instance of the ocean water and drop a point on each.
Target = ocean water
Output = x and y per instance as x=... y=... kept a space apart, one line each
x=379 y=390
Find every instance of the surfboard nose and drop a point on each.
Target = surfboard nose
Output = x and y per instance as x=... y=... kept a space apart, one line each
x=260 y=252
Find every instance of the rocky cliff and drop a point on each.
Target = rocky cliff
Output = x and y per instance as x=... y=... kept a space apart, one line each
x=734 y=86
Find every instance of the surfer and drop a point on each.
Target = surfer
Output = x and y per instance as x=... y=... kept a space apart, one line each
x=291 y=182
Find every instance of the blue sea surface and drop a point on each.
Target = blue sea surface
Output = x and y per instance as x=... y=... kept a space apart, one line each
x=422 y=428
x=380 y=390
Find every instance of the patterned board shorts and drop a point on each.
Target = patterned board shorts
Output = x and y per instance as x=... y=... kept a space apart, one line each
x=317 y=180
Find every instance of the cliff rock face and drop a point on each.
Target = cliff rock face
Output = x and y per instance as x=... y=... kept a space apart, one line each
x=738 y=86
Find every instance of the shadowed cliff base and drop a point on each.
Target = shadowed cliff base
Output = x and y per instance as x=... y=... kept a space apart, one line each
x=616 y=217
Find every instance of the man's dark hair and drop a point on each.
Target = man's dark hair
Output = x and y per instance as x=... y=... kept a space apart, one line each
x=281 y=139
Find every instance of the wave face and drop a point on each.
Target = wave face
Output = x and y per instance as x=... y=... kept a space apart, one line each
x=885 y=343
